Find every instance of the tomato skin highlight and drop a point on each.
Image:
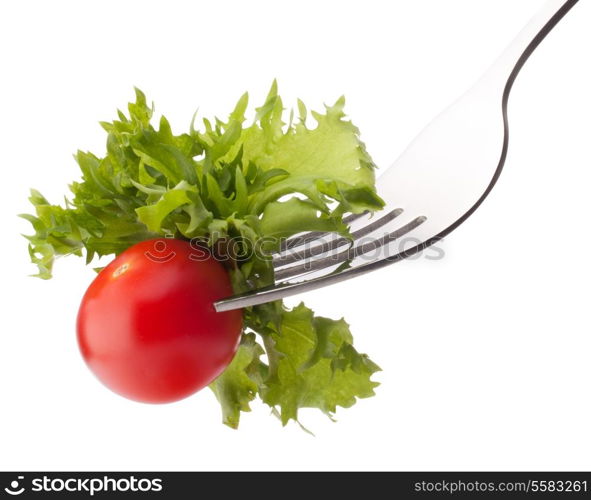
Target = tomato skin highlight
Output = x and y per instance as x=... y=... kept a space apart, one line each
x=147 y=327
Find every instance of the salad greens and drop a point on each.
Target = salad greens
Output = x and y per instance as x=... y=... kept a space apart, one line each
x=231 y=182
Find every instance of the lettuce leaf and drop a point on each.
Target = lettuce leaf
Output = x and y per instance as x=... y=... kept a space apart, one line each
x=316 y=367
x=267 y=180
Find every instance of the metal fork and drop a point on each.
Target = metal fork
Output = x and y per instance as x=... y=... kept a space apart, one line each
x=435 y=185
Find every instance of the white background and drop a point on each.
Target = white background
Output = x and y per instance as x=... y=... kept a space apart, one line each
x=485 y=354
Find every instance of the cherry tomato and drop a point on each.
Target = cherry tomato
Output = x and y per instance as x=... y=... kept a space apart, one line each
x=147 y=327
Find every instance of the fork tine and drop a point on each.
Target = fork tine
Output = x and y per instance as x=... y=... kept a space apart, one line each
x=284 y=259
x=347 y=255
x=304 y=238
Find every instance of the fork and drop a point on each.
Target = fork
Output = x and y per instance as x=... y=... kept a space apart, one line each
x=433 y=187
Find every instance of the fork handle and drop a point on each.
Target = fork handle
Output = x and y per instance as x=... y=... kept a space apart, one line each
x=510 y=62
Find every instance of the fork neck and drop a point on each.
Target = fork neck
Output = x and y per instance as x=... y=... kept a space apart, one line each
x=508 y=65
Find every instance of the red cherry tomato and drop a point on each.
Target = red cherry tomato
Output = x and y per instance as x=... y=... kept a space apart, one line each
x=147 y=327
